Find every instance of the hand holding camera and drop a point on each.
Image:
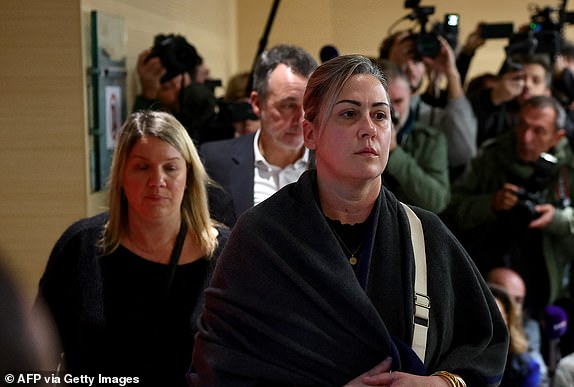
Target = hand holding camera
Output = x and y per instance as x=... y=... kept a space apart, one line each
x=444 y=62
x=150 y=71
x=473 y=41
x=510 y=86
x=524 y=206
x=505 y=198
x=526 y=202
x=545 y=214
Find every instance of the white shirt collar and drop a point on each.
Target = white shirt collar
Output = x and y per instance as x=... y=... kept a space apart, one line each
x=260 y=161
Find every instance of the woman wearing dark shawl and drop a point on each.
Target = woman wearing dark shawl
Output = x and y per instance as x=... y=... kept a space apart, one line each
x=315 y=285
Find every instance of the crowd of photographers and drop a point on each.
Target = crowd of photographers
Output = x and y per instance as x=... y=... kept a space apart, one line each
x=511 y=164
x=492 y=155
x=510 y=157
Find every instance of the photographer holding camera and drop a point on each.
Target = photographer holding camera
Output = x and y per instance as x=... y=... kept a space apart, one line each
x=521 y=77
x=172 y=76
x=511 y=207
x=417 y=170
x=456 y=118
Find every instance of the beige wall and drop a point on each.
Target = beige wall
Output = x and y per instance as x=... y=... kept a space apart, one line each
x=43 y=112
x=358 y=26
x=42 y=141
x=44 y=184
x=209 y=26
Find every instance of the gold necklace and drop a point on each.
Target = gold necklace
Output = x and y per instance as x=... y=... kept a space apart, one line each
x=353 y=258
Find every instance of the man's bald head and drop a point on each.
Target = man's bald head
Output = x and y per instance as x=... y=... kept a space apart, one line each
x=510 y=281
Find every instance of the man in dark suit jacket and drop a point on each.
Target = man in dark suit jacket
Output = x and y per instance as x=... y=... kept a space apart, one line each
x=250 y=168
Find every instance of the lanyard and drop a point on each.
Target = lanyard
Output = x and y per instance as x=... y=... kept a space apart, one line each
x=175 y=254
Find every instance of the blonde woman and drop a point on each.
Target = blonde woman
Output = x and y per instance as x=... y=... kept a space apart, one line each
x=124 y=287
x=521 y=370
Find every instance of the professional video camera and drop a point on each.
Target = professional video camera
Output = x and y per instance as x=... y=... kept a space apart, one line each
x=544 y=34
x=426 y=43
x=176 y=55
x=531 y=192
x=448 y=29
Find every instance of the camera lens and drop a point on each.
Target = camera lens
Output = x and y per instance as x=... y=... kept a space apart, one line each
x=427 y=45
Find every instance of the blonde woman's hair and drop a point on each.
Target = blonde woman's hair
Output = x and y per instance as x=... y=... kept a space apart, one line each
x=518 y=340
x=194 y=206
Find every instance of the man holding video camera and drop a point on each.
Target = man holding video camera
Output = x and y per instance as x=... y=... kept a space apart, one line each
x=172 y=77
x=512 y=205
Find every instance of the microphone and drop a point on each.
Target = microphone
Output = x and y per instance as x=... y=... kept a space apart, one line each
x=328 y=52
x=555 y=322
x=554 y=325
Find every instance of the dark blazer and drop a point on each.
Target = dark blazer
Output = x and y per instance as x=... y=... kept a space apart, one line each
x=231 y=164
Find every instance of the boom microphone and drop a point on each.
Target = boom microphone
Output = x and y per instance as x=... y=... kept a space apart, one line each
x=328 y=52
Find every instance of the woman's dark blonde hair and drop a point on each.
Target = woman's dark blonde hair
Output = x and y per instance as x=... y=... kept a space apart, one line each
x=194 y=206
x=327 y=81
x=518 y=342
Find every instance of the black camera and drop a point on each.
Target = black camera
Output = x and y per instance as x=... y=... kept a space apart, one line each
x=448 y=29
x=496 y=30
x=525 y=208
x=176 y=55
x=427 y=43
x=531 y=192
x=544 y=34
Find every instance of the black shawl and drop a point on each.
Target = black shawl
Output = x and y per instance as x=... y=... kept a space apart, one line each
x=284 y=306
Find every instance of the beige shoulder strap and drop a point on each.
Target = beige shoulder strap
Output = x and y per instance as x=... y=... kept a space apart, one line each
x=422 y=300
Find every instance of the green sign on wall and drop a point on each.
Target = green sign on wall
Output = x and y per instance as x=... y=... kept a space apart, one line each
x=108 y=92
